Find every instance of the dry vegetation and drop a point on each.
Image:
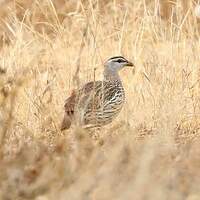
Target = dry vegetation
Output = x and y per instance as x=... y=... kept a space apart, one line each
x=150 y=152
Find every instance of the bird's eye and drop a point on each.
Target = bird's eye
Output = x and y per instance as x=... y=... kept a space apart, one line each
x=120 y=60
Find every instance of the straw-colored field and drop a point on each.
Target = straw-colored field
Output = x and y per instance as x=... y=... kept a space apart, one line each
x=151 y=151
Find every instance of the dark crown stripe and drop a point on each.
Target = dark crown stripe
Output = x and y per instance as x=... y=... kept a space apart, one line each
x=117 y=57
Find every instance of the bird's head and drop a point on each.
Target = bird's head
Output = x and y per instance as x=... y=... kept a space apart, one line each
x=117 y=63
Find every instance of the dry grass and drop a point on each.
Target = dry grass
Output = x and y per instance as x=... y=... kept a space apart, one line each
x=150 y=152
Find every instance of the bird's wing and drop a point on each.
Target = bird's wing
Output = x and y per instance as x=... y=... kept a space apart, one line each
x=90 y=86
x=81 y=95
x=87 y=97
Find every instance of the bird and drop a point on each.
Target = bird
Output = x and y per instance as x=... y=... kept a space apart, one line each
x=97 y=103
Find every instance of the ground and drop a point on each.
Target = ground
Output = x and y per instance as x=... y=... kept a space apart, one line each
x=151 y=151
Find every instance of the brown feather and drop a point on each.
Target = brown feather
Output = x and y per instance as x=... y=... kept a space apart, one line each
x=71 y=102
x=66 y=123
x=69 y=111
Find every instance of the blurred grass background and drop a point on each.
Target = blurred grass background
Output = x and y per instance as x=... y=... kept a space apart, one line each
x=151 y=151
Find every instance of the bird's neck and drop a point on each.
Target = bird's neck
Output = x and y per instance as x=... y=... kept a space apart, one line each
x=110 y=75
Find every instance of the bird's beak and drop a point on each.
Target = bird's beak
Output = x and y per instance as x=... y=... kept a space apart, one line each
x=130 y=64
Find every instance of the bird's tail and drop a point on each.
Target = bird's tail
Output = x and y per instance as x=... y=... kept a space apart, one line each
x=66 y=123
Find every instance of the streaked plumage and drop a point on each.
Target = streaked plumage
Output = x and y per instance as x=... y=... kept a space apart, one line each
x=97 y=103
